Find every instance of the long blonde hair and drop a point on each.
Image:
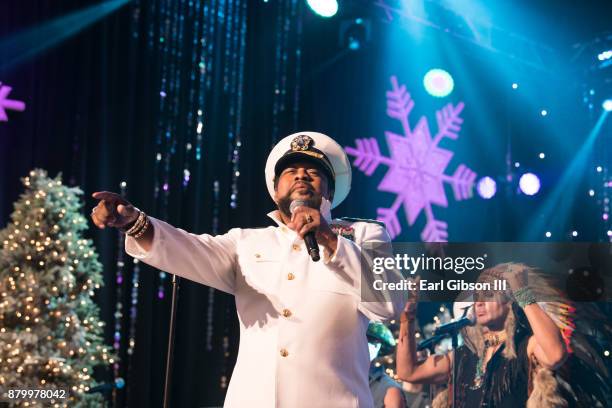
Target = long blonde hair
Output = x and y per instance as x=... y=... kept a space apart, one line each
x=473 y=335
x=545 y=387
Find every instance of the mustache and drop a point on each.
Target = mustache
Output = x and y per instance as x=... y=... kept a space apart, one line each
x=300 y=184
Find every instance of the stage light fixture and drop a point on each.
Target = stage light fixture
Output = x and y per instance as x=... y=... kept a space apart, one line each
x=487 y=187
x=438 y=83
x=605 y=55
x=529 y=184
x=354 y=33
x=324 y=8
x=607 y=105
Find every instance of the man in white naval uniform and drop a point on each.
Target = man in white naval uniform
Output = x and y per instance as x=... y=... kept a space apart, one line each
x=302 y=323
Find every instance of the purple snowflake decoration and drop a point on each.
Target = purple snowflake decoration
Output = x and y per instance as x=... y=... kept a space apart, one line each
x=416 y=166
x=8 y=104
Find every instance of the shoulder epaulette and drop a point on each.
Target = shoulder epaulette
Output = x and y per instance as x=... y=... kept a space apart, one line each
x=350 y=219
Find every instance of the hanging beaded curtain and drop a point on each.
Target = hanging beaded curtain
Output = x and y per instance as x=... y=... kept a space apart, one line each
x=194 y=53
x=196 y=42
x=197 y=51
x=287 y=67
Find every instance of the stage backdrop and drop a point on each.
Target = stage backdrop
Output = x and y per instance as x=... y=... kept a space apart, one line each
x=177 y=104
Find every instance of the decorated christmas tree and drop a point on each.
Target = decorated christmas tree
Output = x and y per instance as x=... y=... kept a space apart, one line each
x=50 y=331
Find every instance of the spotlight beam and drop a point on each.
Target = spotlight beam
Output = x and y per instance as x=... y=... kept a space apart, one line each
x=20 y=47
x=560 y=201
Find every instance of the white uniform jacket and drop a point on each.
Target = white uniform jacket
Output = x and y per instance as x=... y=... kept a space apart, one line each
x=302 y=323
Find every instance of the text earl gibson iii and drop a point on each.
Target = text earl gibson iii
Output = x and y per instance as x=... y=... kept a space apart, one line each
x=449 y=284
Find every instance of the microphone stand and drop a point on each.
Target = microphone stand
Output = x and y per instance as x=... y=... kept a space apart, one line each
x=171 y=329
x=454 y=345
x=430 y=342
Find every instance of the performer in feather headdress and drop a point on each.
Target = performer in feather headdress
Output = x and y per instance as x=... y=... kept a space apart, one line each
x=512 y=356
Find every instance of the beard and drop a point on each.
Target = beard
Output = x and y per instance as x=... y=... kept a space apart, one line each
x=283 y=204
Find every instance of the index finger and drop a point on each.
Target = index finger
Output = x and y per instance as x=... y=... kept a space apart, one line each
x=298 y=210
x=108 y=196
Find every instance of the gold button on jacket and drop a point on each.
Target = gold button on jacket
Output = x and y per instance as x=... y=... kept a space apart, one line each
x=318 y=320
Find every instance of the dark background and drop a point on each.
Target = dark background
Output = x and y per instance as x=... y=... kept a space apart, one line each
x=93 y=113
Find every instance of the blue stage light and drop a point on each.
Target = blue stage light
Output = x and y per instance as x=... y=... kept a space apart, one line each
x=354 y=44
x=438 y=83
x=607 y=105
x=529 y=184
x=324 y=8
x=605 y=55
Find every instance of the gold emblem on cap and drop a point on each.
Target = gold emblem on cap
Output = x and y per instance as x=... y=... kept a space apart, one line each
x=301 y=143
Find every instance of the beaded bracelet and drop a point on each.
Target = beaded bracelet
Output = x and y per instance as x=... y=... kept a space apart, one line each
x=140 y=221
x=524 y=297
x=131 y=225
x=144 y=228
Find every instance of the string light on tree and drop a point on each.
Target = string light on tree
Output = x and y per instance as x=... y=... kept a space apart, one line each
x=46 y=279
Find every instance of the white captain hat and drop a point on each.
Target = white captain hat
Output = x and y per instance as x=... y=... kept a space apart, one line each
x=315 y=147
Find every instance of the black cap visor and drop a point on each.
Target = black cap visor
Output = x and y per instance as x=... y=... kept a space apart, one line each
x=298 y=156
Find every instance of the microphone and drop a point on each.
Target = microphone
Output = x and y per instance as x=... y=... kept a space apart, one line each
x=468 y=318
x=309 y=238
x=118 y=384
x=453 y=327
x=447 y=329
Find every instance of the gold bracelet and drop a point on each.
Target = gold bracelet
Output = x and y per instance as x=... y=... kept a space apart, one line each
x=143 y=225
x=133 y=225
x=137 y=231
x=138 y=224
x=144 y=228
x=130 y=225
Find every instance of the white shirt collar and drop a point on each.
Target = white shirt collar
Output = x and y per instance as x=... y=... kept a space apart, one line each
x=275 y=215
